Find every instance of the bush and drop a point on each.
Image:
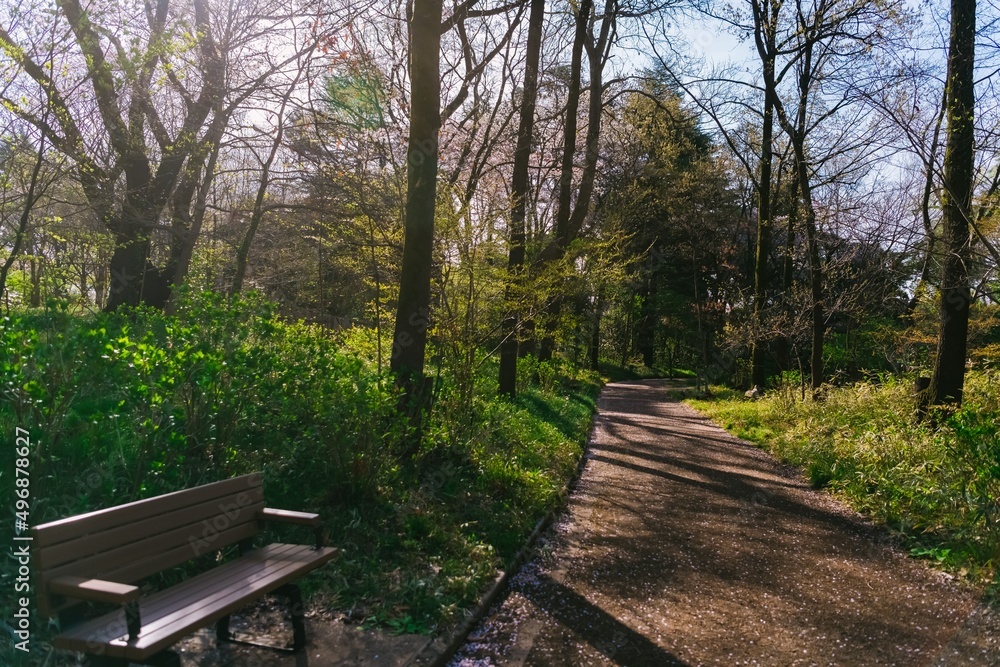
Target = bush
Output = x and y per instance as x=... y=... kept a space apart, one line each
x=150 y=403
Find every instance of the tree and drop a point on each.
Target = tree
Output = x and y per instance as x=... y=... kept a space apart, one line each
x=815 y=59
x=140 y=97
x=570 y=215
x=265 y=180
x=667 y=199
x=519 y=194
x=959 y=167
x=148 y=184
x=828 y=32
x=413 y=317
x=413 y=306
x=765 y=23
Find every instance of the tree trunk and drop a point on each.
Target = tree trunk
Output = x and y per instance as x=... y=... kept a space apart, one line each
x=788 y=274
x=413 y=308
x=647 y=324
x=797 y=133
x=556 y=249
x=258 y=206
x=128 y=267
x=812 y=240
x=594 y=350
x=35 y=296
x=563 y=209
x=188 y=222
x=949 y=367
x=519 y=194
x=765 y=24
x=815 y=281
x=100 y=284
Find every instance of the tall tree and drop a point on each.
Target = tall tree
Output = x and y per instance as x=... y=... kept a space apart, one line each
x=571 y=215
x=140 y=97
x=959 y=166
x=519 y=194
x=413 y=306
x=765 y=22
x=557 y=246
x=148 y=183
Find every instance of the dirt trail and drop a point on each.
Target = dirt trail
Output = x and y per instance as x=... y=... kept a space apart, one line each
x=685 y=546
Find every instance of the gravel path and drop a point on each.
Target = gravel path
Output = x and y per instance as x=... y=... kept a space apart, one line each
x=685 y=546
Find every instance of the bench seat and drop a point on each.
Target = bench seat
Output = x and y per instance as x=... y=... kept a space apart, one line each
x=196 y=602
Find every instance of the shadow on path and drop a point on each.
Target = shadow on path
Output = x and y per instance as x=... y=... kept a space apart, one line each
x=684 y=546
x=615 y=640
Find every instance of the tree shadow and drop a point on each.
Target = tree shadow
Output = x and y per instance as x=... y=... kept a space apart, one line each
x=618 y=642
x=538 y=407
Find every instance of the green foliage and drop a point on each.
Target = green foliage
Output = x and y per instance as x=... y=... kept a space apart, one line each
x=355 y=95
x=939 y=486
x=133 y=404
x=165 y=402
x=671 y=205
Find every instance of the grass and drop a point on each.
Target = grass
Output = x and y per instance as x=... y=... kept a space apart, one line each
x=127 y=406
x=424 y=551
x=636 y=371
x=938 y=486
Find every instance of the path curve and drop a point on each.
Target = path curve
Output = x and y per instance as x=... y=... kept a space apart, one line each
x=685 y=546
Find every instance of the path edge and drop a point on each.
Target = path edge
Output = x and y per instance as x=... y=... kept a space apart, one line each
x=438 y=651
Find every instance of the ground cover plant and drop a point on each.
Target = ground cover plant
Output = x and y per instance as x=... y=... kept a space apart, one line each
x=134 y=404
x=935 y=482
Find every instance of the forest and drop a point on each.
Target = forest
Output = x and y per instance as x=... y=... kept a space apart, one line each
x=387 y=252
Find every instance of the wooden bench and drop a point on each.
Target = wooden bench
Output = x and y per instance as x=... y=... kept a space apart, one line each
x=99 y=557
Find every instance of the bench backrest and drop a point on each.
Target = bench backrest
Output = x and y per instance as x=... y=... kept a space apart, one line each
x=130 y=542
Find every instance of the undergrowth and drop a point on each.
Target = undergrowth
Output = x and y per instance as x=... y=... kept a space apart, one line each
x=937 y=485
x=131 y=405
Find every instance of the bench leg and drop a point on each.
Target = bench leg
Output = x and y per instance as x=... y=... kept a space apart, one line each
x=298 y=613
x=222 y=629
x=104 y=661
x=161 y=659
x=165 y=659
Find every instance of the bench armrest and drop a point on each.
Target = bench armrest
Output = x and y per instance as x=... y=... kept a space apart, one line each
x=288 y=516
x=97 y=590
x=299 y=518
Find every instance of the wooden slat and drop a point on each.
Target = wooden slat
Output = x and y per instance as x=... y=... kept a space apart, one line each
x=230 y=599
x=49 y=604
x=227 y=600
x=286 y=559
x=102 y=630
x=187 y=542
x=111 y=626
x=172 y=614
x=107 y=540
x=159 y=562
x=75 y=526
